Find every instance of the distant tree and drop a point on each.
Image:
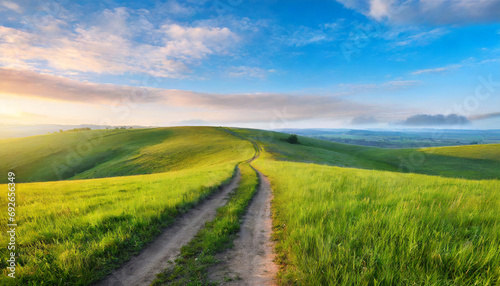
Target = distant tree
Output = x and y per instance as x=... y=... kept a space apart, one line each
x=293 y=139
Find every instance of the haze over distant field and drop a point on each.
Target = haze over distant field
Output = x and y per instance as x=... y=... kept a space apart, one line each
x=263 y=64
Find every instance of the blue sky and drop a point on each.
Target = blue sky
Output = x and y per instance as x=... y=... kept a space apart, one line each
x=264 y=64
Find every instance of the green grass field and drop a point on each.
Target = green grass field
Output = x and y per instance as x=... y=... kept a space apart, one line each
x=340 y=226
x=78 y=230
x=100 y=196
x=110 y=153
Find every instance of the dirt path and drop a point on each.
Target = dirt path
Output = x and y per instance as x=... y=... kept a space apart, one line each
x=251 y=260
x=142 y=268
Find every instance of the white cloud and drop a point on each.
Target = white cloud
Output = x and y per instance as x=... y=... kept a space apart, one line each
x=488 y=61
x=437 y=70
x=304 y=36
x=428 y=11
x=379 y=8
x=401 y=83
x=111 y=46
x=174 y=7
x=248 y=72
x=389 y=85
x=420 y=38
x=195 y=42
x=467 y=63
x=11 y=6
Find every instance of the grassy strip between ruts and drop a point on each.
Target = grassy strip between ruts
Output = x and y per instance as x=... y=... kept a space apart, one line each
x=217 y=235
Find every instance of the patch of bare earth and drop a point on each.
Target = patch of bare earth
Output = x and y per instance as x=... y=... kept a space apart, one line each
x=142 y=268
x=251 y=260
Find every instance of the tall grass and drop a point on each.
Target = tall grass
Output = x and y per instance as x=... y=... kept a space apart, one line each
x=337 y=226
x=77 y=231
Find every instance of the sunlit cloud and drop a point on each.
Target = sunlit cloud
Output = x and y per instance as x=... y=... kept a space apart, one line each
x=111 y=47
x=213 y=106
x=11 y=5
x=192 y=62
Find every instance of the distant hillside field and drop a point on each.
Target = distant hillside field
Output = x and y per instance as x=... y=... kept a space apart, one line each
x=483 y=152
x=407 y=138
x=482 y=161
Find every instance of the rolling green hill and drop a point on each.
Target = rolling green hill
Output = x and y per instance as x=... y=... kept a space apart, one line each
x=108 y=153
x=334 y=224
x=77 y=230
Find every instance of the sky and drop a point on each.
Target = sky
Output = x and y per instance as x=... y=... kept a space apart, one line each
x=262 y=64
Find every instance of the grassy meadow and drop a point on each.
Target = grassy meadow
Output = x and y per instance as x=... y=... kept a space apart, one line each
x=340 y=226
x=110 y=153
x=343 y=214
x=78 y=230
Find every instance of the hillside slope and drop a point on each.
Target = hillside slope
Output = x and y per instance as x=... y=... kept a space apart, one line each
x=108 y=153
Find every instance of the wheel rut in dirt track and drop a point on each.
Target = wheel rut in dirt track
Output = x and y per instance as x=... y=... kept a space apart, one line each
x=142 y=268
x=251 y=260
